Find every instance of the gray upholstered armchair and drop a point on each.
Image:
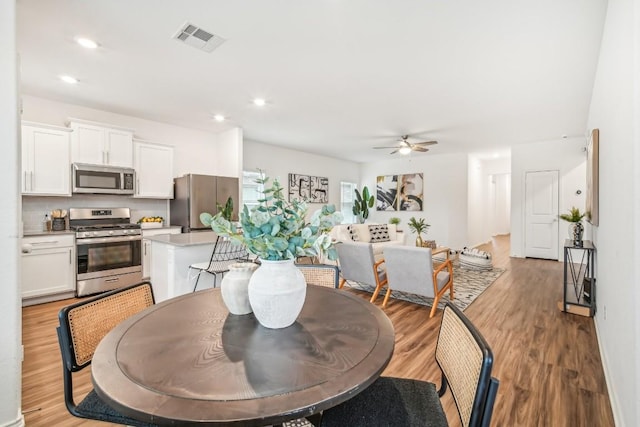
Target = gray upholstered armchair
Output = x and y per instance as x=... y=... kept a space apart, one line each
x=357 y=263
x=410 y=269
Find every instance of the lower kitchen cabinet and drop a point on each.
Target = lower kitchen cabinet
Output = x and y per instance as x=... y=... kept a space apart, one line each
x=146 y=246
x=48 y=266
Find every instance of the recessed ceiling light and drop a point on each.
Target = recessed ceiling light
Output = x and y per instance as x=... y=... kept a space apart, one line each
x=260 y=102
x=219 y=118
x=69 y=79
x=404 y=150
x=87 y=43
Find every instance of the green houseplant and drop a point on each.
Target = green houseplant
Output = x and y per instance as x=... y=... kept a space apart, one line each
x=395 y=221
x=227 y=210
x=418 y=226
x=576 y=229
x=363 y=203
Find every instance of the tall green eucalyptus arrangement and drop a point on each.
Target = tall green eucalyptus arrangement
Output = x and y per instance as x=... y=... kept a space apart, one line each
x=277 y=229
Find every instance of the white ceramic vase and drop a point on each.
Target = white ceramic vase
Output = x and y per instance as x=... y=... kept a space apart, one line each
x=234 y=287
x=277 y=291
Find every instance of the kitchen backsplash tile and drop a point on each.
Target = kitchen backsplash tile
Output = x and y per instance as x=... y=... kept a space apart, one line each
x=34 y=208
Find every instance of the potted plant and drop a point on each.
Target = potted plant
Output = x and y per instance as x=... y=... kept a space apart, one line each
x=277 y=231
x=418 y=226
x=227 y=210
x=395 y=221
x=576 y=229
x=363 y=203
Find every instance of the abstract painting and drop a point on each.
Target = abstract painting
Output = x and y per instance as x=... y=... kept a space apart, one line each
x=410 y=188
x=399 y=192
x=387 y=193
x=313 y=189
x=319 y=189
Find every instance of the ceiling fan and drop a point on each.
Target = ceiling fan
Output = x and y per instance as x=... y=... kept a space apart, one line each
x=406 y=147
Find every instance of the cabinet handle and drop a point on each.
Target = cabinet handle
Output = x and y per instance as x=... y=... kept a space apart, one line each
x=107 y=157
x=70 y=260
x=31 y=180
x=25 y=181
x=104 y=158
x=138 y=186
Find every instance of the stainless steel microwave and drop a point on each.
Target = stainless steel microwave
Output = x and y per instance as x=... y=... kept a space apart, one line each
x=98 y=179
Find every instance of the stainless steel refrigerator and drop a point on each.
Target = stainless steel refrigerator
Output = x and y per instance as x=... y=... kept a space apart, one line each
x=194 y=194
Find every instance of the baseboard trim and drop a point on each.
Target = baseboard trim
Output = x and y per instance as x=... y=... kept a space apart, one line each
x=613 y=401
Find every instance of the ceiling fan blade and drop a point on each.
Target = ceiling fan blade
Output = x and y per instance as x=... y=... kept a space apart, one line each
x=394 y=151
x=420 y=149
x=384 y=148
x=425 y=143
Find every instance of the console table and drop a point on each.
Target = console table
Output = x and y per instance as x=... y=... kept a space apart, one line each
x=579 y=293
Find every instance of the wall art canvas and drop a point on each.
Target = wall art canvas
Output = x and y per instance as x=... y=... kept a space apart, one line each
x=319 y=189
x=410 y=188
x=387 y=193
x=299 y=187
x=593 y=177
x=399 y=192
x=313 y=189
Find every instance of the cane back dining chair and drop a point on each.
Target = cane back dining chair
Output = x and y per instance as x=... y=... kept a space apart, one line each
x=225 y=252
x=410 y=269
x=82 y=326
x=357 y=264
x=320 y=274
x=465 y=361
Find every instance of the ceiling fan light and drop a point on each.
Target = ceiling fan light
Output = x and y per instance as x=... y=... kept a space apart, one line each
x=404 y=150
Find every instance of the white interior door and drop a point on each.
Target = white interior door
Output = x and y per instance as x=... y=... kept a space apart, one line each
x=541 y=214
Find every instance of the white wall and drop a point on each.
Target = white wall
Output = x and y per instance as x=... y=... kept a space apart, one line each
x=445 y=195
x=278 y=162
x=482 y=220
x=566 y=156
x=615 y=111
x=10 y=333
x=195 y=151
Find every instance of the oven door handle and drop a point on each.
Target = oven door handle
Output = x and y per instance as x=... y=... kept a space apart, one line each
x=93 y=240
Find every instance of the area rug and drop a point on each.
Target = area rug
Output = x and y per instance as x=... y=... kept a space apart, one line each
x=467 y=286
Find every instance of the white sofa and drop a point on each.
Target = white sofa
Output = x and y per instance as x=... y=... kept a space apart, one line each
x=369 y=233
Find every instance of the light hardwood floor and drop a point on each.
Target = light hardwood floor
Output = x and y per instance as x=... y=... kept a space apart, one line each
x=547 y=361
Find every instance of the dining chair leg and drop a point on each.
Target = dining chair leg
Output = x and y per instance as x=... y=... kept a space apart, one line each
x=197 y=278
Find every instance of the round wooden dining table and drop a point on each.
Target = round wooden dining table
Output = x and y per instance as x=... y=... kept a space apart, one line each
x=187 y=361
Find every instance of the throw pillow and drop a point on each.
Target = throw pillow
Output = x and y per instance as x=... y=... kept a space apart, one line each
x=353 y=233
x=379 y=233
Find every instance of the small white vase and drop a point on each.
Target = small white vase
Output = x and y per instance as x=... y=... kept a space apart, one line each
x=234 y=287
x=277 y=291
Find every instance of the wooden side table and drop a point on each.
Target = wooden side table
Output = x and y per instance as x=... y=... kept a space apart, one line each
x=439 y=250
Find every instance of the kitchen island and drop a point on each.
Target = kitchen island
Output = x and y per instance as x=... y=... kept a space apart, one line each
x=171 y=256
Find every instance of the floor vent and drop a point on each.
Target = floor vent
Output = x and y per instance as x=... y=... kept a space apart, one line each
x=198 y=38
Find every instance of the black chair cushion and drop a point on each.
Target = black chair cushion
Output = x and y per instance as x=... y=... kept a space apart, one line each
x=93 y=407
x=389 y=402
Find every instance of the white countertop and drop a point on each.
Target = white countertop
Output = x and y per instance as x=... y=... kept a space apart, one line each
x=186 y=239
x=47 y=233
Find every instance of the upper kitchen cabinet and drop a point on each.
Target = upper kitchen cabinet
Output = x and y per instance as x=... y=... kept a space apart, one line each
x=46 y=165
x=99 y=144
x=154 y=170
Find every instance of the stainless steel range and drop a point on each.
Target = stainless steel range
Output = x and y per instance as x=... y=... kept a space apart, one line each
x=108 y=249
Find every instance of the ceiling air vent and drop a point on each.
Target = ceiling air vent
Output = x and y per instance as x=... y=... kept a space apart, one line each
x=198 y=38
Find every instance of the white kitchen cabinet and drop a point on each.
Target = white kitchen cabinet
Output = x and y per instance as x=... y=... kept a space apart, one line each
x=46 y=165
x=48 y=265
x=99 y=144
x=154 y=170
x=146 y=246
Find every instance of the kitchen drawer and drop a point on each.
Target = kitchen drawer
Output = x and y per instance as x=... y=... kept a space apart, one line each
x=47 y=242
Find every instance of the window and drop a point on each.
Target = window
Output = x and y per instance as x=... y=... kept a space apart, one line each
x=347 y=198
x=251 y=190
